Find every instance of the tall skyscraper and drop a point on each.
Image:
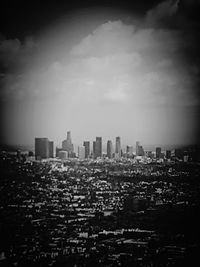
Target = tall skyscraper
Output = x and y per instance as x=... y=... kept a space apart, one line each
x=86 y=144
x=67 y=144
x=129 y=150
x=98 y=147
x=94 y=149
x=118 y=146
x=81 y=152
x=109 y=149
x=140 y=151
x=158 y=152
x=51 y=154
x=41 y=148
x=137 y=148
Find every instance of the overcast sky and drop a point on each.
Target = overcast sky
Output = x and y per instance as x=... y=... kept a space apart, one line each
x=101 y=70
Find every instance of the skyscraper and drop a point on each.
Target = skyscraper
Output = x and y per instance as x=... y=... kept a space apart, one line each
x=158 y=152
x=98 y=147
x=118 y=146
x=94 y=149
x=51 y=154
x=140 y=151
x=58 y=150
x=67 y=144
x=129 y=150
x=86 y=144
x=41 y=148
x=81 y=152
x=137 y=148
x=109 y=149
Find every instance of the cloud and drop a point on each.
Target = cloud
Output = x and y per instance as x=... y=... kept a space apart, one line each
x=114 y=71
x=107 y=39
x=114 y=50
x=162 y=11
x=15 y=55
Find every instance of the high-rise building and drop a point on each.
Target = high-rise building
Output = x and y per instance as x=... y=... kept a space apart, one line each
x=67 y=144
x=141 y=151
x=94 y=149
x=81 y=152
x=41 y=148
x=109 y=149
x=51 y=154
x=129 y=150
x=86 y=144
x=158 y=152
x=137 y=148
x=98 y=147
x=118 y=146
x=58 y=149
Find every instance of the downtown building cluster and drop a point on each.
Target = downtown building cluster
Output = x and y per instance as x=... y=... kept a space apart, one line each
x=44 y=149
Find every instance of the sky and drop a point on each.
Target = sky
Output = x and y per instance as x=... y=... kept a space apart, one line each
x=100 y=68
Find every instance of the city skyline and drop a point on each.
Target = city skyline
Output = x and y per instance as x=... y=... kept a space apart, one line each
x=99 y=147
x=117 y=69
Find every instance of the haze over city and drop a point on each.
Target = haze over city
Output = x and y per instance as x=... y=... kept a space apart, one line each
x=102 y=70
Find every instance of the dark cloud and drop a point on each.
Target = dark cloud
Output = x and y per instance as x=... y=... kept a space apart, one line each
x=14 y=54
x=161 y=13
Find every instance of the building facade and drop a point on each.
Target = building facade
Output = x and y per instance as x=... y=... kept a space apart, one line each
x=51 y=149
x=81 y=152
x=98 y=148
x=67 y=144
x=109 y=149
x=86 y=144
x=158 y=152
x=41 y=148
x=118 y=146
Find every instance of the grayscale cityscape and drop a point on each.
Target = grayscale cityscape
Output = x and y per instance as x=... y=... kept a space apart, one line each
x=99 y=133
x=90 y=207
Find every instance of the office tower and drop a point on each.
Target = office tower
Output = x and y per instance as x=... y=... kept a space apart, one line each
x=158 y=152
x=129 y=150
x=109 y=149
x=51 y=154
x=98 y=147
x=168 y=154
x=41 y=148
x=118 y=146
x=67 y=144
x=140 y=151
x=137 y=148
x=86 y=144
x=58 y=149
x=94 y=149
x=81 y=152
